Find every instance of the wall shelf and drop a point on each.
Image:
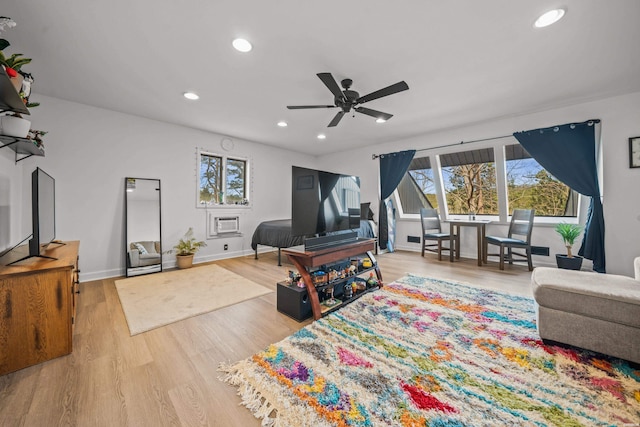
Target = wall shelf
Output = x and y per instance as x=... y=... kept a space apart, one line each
x=21 y=146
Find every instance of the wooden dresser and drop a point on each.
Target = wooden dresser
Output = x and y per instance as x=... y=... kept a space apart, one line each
x=37 y=306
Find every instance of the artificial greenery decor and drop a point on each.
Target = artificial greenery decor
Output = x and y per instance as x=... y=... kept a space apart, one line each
x=569 y=234
x=188 y=244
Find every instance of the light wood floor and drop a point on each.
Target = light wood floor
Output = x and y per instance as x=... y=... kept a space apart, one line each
x=168 y=376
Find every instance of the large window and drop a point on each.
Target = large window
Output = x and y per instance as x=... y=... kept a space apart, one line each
x=529 y=185
x=469 y=180
x=221 y=180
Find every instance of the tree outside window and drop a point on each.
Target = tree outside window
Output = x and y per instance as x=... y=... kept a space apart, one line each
x=221 y=180
x=529 y=185
x=469 y=180
x=236 y=181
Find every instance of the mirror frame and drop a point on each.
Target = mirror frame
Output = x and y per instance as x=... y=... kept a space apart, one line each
x=153 y=268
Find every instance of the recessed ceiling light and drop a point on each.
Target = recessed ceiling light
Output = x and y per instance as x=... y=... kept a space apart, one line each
x=242 y=45
x=191 y=95
x=282 y=124
x=322 y=136
x=548 y=18
x=380 y=120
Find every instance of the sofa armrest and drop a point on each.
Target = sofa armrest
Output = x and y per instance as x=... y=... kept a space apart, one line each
x=134 y=258
x=636 y=265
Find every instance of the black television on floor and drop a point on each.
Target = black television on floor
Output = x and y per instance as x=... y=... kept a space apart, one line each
x=323 y=202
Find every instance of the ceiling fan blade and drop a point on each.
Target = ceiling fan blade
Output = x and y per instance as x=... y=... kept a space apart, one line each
x=373 y=113
x=336 y=119
x=389 y=90
x=331 y=83
x=299 y=107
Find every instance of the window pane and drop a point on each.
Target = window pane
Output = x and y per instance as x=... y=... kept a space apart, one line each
x=469 y=180
x=529 y=185
x=210 y=179
x=236 y=181
x=417 y=189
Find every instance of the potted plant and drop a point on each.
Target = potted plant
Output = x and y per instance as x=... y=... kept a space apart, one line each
x=12 y=123
x=569 y=234
x=186 y=248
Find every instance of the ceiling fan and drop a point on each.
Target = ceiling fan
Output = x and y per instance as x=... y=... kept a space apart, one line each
x=347 y=99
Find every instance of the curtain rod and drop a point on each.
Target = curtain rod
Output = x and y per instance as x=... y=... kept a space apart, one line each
x=375 y=156
x=589 y=122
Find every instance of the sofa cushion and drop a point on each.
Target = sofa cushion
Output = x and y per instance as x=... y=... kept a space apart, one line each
x=608 y=297
x=140 y=248
x=147 y=246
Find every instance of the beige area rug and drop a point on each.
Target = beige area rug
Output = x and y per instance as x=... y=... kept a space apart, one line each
x=156 y=300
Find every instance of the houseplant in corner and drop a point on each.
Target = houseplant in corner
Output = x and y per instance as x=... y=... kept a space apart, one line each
x=186 y=248
x=569 y=234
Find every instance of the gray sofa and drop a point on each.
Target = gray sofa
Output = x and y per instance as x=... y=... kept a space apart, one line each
x=599 y=312
x=137 y=257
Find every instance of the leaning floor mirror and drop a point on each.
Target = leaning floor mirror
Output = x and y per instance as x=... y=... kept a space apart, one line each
x=143 y=250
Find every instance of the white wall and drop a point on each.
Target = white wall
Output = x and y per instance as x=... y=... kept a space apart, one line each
x=89 y=152
x=11 y=193
x=620 y=120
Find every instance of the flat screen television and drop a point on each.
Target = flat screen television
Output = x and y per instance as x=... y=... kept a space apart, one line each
x=323 y=202
x=43 y=211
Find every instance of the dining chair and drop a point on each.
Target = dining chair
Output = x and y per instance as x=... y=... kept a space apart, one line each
x=432 y=231
x=519 y=236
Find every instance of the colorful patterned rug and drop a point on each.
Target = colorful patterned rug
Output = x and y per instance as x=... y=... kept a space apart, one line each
x=425 y=352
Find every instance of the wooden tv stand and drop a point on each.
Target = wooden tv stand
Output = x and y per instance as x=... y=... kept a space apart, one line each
x=305 y=260
x=37 y=305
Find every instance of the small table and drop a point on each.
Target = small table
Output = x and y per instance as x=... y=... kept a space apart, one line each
x=454 y=228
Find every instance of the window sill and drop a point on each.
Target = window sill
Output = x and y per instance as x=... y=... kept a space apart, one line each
x=223 y=206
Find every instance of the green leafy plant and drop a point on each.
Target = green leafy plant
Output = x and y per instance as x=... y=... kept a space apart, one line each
x=13 y=62
x=188 y=244
x=569 y=234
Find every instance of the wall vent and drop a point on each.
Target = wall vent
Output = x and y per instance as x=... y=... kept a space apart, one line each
x=413 y=239
x=540 y=250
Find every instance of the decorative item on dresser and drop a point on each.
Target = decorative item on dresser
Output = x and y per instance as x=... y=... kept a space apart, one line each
x=37 y=305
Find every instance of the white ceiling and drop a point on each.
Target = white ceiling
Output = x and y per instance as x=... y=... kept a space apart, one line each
x=465 y=61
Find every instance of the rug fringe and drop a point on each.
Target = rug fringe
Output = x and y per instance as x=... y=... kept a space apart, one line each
x=250 y=397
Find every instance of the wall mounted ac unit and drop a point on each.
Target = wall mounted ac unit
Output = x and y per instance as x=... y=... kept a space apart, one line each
x=227 y=224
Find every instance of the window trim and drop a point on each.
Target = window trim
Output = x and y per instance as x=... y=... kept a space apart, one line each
x=247 y=178
x=503 y=216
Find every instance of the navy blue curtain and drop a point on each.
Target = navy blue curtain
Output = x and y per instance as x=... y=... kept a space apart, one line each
x=568 y=152
x=393 y=166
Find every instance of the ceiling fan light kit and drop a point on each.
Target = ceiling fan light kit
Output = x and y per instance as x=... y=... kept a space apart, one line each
x=348 y=99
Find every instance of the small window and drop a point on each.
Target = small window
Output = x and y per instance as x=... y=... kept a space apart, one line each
x=529 y=185
x=222 y=180
x=469 y=180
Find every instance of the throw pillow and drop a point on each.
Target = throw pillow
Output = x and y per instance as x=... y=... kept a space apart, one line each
x=142 y=249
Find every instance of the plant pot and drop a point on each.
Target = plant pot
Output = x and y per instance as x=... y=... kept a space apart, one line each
x=184 y=261
x=15 y=126
x=17 y=82
x=574 y=263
